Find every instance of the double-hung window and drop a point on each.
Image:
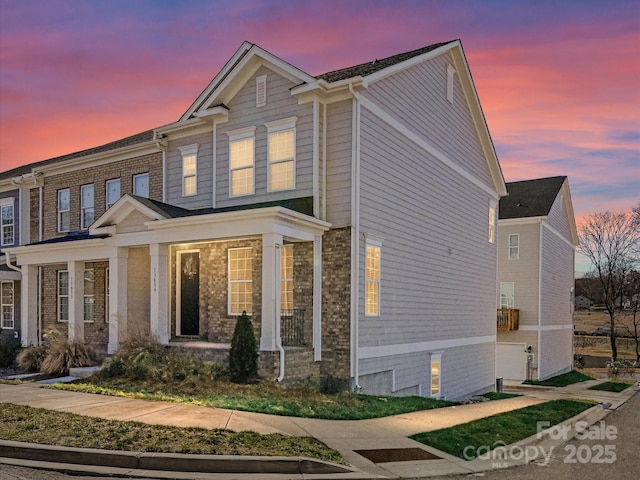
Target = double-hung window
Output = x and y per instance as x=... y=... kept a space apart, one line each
x=282 y=154
x=372 y=278
x=240 y=281
x=86 y=203
x=113 y=192
x=189 y=170
x=64 y=210
x=286 y=279
x=7 y=222
x=63 y=296
x=514 y=246
x=507 y=295
x=7 y=302
x=141 y=185
x=89 y=305
x=241 y=162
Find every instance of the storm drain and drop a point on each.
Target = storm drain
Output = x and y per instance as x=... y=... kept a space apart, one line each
x=386 y=455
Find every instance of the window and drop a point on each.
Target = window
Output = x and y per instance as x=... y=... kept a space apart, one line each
x=64 y=214
x=141 y=185
x=240 y=281
x=507 y=295
x=372 y=281
x=436 y=362
x=281 y=153
x=450 y=73
x=89 y=305
x=6 y=304
x=261 y=91
x=514 y=246
x=241 y=162
x=113 y=192
x=63 y=296
x=7 y=222
x=86 y=205
x=492 y=221
x=189 y=170
x=286 y=279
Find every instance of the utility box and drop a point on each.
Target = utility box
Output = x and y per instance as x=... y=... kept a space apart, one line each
x=499 y=385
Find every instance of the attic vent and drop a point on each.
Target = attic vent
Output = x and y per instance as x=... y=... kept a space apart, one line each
x=450 y=73
x=261 y=91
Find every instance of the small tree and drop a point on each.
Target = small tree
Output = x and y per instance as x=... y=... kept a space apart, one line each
x=243 y=357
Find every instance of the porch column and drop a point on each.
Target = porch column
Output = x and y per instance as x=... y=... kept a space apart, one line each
x=117 y=297
x=29 y=305
x=317 y=298
x=159 y=308
x=271 y=243
x=76 y=301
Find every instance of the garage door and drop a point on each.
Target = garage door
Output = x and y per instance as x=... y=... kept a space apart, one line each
x=511 y=361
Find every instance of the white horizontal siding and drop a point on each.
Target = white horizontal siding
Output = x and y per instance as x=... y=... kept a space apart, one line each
x=556 y=356
x=557 y=280
x=558 y=218
x=173 y=182
x=339 y=142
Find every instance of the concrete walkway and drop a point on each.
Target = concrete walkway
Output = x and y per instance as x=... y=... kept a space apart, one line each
x=401 y=456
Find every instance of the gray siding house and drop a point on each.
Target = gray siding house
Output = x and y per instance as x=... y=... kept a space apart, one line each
x=537 y=238
x=352 y=215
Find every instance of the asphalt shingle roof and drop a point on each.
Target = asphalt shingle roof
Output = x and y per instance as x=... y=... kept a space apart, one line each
x=530 y=198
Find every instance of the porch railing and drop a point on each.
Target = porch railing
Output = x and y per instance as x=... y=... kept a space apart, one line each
x=508 y=319
x=292 y=327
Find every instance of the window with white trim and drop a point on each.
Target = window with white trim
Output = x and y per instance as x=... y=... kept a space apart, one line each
x=492 y=221
x=282 y=154
x=241 y=162
x=514 y=246
x=286 y=279
x=261 y=91
x=507 y=295
x=450 y=73
x=240 y=281
x=112 y=193
x=7 y=303
x=86 y=206
x=372 y=280
x=141 y=185
x=64 y=210
x=436 y=374
x=7 y=222
x=63 y=296
x=189 y=170
x=89 y=297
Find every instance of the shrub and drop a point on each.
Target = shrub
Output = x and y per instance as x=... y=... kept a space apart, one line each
x=138 y=338
x=243 y=357
x=63 y=355
x=30 y=358
x=9 y=349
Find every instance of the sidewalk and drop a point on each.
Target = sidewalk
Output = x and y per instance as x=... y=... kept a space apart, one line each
x=391 y=454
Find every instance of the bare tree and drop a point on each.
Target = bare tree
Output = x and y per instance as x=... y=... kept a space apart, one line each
x=611 y=240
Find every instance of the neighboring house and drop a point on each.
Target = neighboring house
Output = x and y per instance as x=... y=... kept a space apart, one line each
x=583 y=302
x=537 y=238
x=351 y=214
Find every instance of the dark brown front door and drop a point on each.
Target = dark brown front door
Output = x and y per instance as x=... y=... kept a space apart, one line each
x=190 y=293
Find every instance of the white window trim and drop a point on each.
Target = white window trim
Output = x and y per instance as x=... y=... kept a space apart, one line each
x=133 y=184
x=433 y=358
x=230 y=282
x=83 y=207
x=282 y=125
x=87 y=296
x=450 y=73
x=286 y=280
x=12 y=305
x=234 y=136
x=60 y=212
x=513 y=294
x=261 y=91
x=4 y=203
x=188 y=151
x=516 y=246
x=107 y=294
x=375 y=242
x=106 y=192
x=59 y=296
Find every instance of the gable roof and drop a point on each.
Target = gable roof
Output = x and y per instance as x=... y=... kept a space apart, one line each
x=530 y=198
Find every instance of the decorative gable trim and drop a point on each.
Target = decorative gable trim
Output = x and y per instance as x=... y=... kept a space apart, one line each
x=119 y=211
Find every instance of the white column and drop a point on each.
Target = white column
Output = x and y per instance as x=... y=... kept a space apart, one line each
x=271 y=244
x=317 y=298
x=76 y=301
x=117 y=297
x=159 y=308
x=29 y=305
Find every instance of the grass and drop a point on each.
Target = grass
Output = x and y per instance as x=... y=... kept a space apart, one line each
x=37 y=425
x=500 y=395
x=561 y=380
x=502 y=429
x=611 y=386
x=264 y=397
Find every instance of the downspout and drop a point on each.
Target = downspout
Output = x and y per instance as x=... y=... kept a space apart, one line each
x=281 y=350
x=12 y=267
x=278 y=331
x=540 y=301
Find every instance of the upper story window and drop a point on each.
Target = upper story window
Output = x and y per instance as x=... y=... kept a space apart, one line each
x=141 y=185
x=281 y=153
x=507 y=295
x=240 y=281
x=514 y=246
x=64 y=210
x=7 y=222
x=189 y=170
x=372 y=278
x=113 y=192
x=7 y=302
x=492 y=221
x=63 y=296
x=286 y=279
x=241 y=162
x=86 y=205
x=261 y=91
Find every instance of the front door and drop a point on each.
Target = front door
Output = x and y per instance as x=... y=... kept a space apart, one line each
x=190 y=293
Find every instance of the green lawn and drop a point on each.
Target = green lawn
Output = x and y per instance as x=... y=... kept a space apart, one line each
x=611 y=386
x=561 y=380
x=499 y=430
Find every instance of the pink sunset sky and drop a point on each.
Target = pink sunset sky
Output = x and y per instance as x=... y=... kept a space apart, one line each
x=559 y=81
